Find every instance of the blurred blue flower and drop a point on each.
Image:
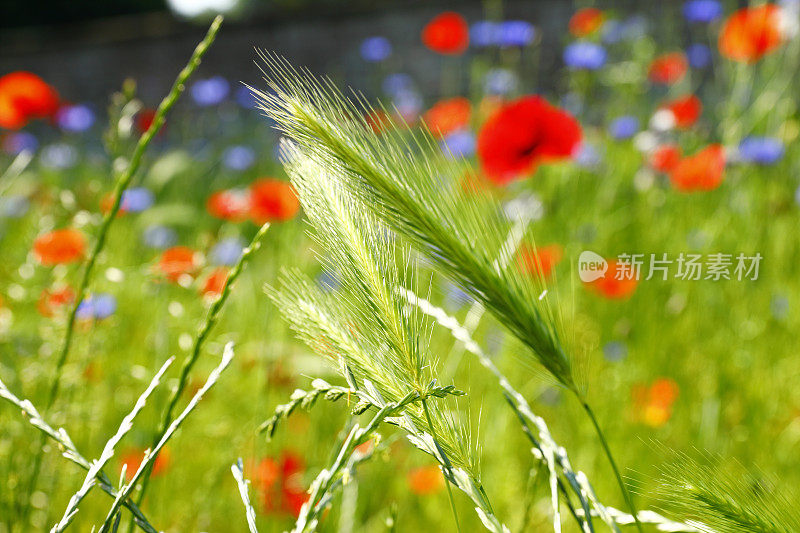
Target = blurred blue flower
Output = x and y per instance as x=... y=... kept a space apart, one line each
x=59 y=156
x=159 y=237
x=454 y=297
x=245 y=97
x=14 y=143
x=460 y=143
x=137 y=199
x=227 y=251
x=328 y=281
x=587 y=156
x=612 y=31
x=582 y=55
x=408 y=104
x=376 y=49
x=210 y=91
x=779 y=306
x=702 y=10
x=75 y=118
x=238 y=157
x=97 y=307
x=635 y=27
x=516 y=33
x=484 y=33
x=624 y=127
x=615 y=351
x=761 y=150
x=397 y=83
x=500 y=81
x=572 y=102
x=13 y=206
x=699 y=55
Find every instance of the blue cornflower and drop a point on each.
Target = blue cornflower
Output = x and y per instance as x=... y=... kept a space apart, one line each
x=159 y=237
x=516 y=33
x=376 y=49
x=584 y=55
x=615 y=351
x=484 y=33
x=136 y=199
x=328 y=281
x=238 y=157
x=699 y=55
x=587 y=156
x=13 y=206
x=500 y=81
x=14 y=143
x=624 y=127
x=59 y=156
x=210 y=91
x=97 y=307
x=75 y=118
x=397 y=83
x=702 y=10
x=245 y=97
x=460 y=143
x=761 y=150
x=227 y=251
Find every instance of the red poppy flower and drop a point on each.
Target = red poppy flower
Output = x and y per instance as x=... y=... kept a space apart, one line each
x=609 y=286
x=700 y=172
x=144 y=119
x=447 y=116
x=665 y=157
x=686 y=110
x=539 y=261
x=523 y=134
x=52 y=300
x=215 y=282
x=447 y=33
x=585 y=21
x=23 y=97
x=668 y=69
x=59 y=247
x=653 y=404
x=751 y=33
x=133 y=457
x=273 y=200
x=425 y=480
x=230 y=204
x=178 y=261
x=378 y=121
x=280 y=483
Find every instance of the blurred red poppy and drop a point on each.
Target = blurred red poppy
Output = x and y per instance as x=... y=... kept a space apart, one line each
x=665 y=157
x=447 y=116
x=378 y=120
x=618 y=283
x=215 y=282
x=273 y=200
x=59 y=247
x=132 y=459
x=539 y=261
x=280 y=483
x=53 y=300
x=686 y=110
x=700 y=172
x=751 y=33
x=585 y=21
x=23 y=97
x=523 y=134
x=230 y=204
x=178 y=261
x=447 y=33
x=653 y=404
x=425 y=480
x=144 y=119
x=668 y=69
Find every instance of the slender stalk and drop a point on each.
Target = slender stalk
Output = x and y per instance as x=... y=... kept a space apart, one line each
x=123 y=181
x=446 y=463
x=625 y=493
x=188 y=364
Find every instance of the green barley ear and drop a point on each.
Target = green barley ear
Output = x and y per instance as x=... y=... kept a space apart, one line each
x=726 y=500
x=402 y=178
